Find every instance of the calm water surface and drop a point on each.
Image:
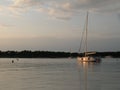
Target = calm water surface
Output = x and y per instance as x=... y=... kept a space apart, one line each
x=59 y=74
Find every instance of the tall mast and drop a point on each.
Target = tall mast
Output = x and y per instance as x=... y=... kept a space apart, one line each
x=86 y=34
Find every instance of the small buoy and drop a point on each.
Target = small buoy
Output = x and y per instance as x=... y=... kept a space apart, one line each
x=12 y=61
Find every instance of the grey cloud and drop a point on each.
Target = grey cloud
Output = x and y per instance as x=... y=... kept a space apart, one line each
x=64 y=9
x=98 y=5
x=118 y=16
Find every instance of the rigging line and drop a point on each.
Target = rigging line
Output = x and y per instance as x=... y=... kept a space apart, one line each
x=83 y=34
x=86 y=33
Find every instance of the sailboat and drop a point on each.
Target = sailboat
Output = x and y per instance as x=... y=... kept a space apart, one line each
x=87 y=57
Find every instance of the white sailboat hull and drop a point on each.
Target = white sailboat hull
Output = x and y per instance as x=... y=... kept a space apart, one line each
x=88 y=59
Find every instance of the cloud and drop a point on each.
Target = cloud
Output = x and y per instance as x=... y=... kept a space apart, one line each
x=57 y=9
x=4 y=25
x=1 y=8
x=63 y=9
x=118 y=16
x=97 y=5
x=54 y=13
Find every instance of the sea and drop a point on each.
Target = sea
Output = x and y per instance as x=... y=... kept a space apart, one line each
x=59 y=74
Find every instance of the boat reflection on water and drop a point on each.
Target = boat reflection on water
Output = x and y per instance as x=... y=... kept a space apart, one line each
x=88 y=64
x=88 y=75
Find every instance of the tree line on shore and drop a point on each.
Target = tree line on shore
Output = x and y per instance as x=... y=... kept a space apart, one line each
x=51 y=54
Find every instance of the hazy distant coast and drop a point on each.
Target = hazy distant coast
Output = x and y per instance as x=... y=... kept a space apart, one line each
x=51 y=54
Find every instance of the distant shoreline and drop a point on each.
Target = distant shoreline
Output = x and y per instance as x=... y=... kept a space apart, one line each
x=51 y=54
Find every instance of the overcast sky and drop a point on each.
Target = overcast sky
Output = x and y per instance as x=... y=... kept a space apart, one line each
x=56 y=25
